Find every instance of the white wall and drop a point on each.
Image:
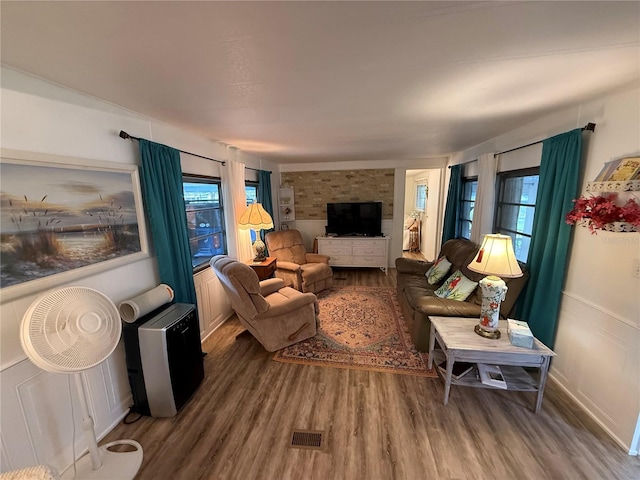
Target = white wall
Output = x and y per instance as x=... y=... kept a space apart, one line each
x=598 y=338
x=40 y=117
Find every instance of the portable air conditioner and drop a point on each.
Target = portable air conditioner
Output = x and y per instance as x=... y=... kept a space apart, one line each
x=164 y=359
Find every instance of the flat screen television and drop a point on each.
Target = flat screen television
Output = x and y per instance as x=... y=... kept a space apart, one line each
x=354 y=219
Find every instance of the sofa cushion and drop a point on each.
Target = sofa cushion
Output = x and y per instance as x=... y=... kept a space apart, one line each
x=415 y=288
x=456 y=287
x=444 y=307
x=438 y=270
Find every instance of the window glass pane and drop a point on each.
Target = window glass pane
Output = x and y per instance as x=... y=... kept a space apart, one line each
x=520 y=190
x=467 y=210
x=516 y=218
x=421 y=197
x=251 y=192
x=205 y=219
x=469 y=190
x=201 y=195
x=515 y=210
x=465 y=229
x=521 y=247
x=467 y=205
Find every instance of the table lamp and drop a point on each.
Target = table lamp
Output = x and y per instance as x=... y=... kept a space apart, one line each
x=256 y=218
x=496 y=259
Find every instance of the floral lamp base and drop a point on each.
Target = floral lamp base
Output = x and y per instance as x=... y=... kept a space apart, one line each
x=260 y=248
x=493 y=292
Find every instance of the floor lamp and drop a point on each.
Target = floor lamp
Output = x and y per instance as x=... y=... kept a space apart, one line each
x=256 y=218
x=495 y=259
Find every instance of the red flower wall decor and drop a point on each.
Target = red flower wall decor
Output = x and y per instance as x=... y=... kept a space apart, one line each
x=599 y=211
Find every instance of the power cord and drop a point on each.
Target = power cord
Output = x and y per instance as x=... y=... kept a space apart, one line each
x=126 y=420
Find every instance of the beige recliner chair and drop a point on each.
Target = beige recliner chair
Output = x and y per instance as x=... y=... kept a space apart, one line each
x=277 y=316
x=307 y=272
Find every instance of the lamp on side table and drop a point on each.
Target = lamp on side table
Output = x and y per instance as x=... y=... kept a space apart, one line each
x=496 y=259
x=256 y=218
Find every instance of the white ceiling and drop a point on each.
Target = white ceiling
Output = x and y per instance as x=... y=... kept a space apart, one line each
x=316 y=81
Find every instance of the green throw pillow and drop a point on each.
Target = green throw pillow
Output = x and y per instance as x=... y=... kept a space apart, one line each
x=457 y=287
x=438 y=270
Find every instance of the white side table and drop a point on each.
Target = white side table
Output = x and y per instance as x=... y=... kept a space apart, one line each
x=459 y=343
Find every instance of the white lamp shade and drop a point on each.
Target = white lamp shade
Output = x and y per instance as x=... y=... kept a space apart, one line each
x=496 y=257
x=255 y=217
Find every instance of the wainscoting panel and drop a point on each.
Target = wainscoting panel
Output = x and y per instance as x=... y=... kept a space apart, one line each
x=4 y=457
x=597 y=364
x=34 y=403
x=214 y=306
x=117 y=386
x=219 y=304
x=37 y=414
x=44 y=401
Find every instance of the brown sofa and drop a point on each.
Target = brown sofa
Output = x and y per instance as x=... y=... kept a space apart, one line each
x=418 y=301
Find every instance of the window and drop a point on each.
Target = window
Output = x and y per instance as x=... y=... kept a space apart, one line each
x=251 y=192
x=515 y=207
x=468 y=201
x=421 y=197
x=205 y=218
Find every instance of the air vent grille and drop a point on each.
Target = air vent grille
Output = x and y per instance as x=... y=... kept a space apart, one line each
x=309 y=439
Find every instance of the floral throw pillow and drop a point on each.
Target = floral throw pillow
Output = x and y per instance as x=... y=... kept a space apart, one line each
x=457 y=287
x=438 y=270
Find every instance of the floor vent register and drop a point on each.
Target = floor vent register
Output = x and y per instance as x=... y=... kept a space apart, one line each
x=309 y=439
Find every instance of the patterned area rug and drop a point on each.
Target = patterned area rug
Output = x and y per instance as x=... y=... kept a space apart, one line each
x=361 y=328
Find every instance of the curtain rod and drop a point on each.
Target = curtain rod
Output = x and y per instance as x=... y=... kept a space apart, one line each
x=590 y=127
x=124 y=135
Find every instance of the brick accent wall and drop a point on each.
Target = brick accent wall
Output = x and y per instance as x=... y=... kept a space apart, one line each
x=313 y=190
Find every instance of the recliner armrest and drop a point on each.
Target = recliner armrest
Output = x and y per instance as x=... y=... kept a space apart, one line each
x=294 y=303
x=317 y=258
x=270 y=285
x=294 y=267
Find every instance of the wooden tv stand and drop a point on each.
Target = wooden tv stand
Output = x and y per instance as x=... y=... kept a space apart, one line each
x=369 y=252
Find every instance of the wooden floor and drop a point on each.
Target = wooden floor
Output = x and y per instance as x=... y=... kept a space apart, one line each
x=413 y=255
x=377 y=425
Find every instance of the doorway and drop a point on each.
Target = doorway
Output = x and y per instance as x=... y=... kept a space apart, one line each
x=421 y=213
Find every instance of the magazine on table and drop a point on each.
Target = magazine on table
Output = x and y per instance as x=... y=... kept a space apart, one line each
x=460 y=369
x=491 y=375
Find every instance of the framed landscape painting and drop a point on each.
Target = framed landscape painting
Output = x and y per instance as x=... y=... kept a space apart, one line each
x=63 y=218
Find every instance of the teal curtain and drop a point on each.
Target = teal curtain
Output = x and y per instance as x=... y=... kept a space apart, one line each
x=451 y=225
x=265 y=198
x=551 y=236
x=164 y=203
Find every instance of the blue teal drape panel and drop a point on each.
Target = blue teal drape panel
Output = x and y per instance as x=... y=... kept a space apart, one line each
x=551 y=236
x=164 y=202
x=265 y=197
x=452 y=210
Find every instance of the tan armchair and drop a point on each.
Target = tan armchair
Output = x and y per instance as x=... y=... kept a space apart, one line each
x=277 y=316
x=306 y=272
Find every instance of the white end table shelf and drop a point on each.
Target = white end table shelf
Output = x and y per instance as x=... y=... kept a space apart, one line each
x=459 y=343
